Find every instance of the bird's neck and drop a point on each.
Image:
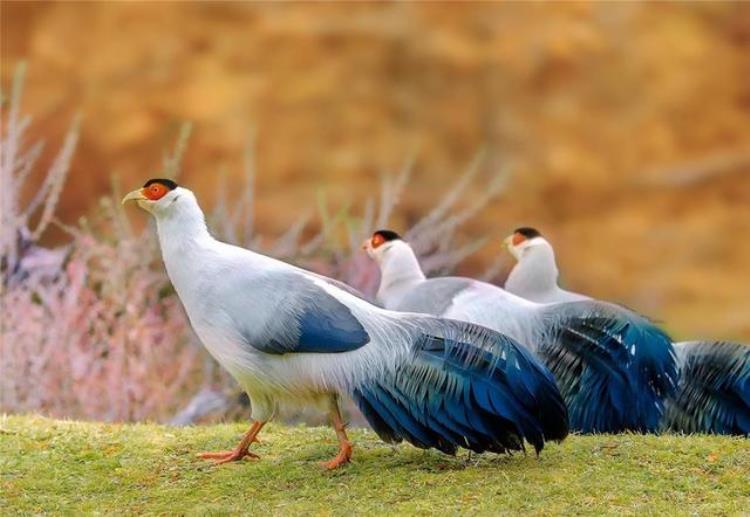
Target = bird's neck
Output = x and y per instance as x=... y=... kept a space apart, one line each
x=535 y=274
x=182 y=228
x=399 y=272
x=184 y=240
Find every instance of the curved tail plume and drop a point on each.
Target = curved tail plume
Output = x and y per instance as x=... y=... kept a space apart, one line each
x=713 y=394
x=464 y=386
x=614 y=367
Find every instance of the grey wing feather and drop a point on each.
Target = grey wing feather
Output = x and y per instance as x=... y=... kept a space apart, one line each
x=434 y=296
x=344 y=287
x=282 y=312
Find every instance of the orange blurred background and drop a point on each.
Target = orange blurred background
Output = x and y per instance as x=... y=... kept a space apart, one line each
x=626 y=126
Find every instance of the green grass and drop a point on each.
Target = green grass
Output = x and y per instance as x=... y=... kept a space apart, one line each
x=50 y=466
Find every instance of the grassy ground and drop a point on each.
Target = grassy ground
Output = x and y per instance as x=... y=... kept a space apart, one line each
x=59 y=466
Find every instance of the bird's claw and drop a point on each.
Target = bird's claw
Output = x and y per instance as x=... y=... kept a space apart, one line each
x=227 y=456
x=342 y=458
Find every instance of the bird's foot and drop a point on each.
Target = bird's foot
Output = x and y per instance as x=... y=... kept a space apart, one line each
x=227 y=456
x=342 y=458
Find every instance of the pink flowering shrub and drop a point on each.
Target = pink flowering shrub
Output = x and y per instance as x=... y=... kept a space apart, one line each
x=90 y=330
x=93 y=330
x=99 y=341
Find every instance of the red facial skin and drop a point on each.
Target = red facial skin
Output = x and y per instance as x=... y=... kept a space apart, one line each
x=377 y=240
x=517 y=239
x=155 y=191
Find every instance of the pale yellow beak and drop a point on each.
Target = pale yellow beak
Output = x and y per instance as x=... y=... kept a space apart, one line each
x=508 y=242
x=136 y=195
x=365 y=244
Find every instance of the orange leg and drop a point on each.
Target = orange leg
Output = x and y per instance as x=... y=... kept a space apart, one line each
x=239 y=452
x=345 y=447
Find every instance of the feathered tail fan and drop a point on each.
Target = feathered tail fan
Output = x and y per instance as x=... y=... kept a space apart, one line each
x=713 y=395
x=614 y=368
x=464 y=386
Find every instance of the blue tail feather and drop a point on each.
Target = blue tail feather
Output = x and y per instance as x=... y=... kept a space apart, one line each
x=448 y=438
x=614 y=367
x=713 y=395
x=520 y=386
x=464 y=386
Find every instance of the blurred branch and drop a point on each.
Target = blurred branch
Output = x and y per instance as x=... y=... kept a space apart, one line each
x=288 y=243
x=699 y=171
x=392 y=189
x=495 y=268
x=16 y=165
x=25 y=163
x=249 y=196
x=50 y=191
x=453 y=195
x=172 y=162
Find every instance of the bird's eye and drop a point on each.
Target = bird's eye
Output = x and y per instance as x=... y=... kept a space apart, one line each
x=377 y=240
x=156 y=191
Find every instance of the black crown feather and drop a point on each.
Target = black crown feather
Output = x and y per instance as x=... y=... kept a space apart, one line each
x=171 y=185
x=528 y=232
x=388 y=235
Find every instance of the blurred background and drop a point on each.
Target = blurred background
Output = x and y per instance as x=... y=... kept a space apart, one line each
x=620 y=130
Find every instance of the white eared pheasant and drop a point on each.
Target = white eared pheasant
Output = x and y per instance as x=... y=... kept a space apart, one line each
x=613 y=367
x=713 y=394
x=289 y=336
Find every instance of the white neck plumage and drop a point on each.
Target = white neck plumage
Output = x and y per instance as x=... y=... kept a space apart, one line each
x=184 y=240
x=536 y=271
x=182 y=223
x=399 y=272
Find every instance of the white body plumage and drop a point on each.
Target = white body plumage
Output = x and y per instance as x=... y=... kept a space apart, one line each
x=598 y=352
x=535 y=275
x=291 y=336
x=404 y=287
x=221 y=285
x=713 y=387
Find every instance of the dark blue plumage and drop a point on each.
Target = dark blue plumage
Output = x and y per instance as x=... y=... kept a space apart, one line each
x=614 y=368
x=320 y=322
x=714 y=389
x=329 y=326
x=464 y=386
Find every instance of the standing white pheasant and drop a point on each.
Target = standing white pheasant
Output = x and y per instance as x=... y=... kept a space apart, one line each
x=289 y=336
x=614 y=368
x=713 y=391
